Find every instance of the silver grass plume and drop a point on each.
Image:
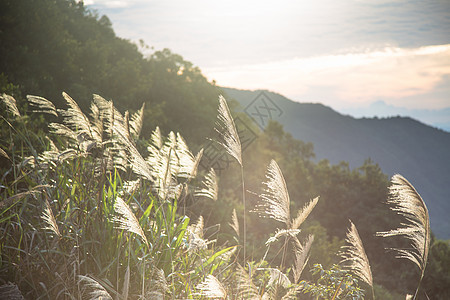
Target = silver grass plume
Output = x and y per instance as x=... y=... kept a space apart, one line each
x=158 y=285
x=94 y=289
x=138 y=164
x=10 y=103
x=74 y=118
x=212 y=288
x=63 y=130
x=406 y=201
x=282 y=233
x=4 y=154
x=246 y=288
x=126 y=220
x=43 y=105
x=275 y=198
x=227 y=130
x=234 y=222
x=276 y=277
x=196 y=241
x=304 y=213
x=354 y=256
x=136 y=122
x=277 y=280
x=187 y=162
x=97 y=122
x=49 y=219
x=210 y=186
x=301 y=257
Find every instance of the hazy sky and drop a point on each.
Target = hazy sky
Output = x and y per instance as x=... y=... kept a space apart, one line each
x=343 y=53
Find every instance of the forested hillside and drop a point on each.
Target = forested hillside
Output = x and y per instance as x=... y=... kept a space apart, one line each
x=68 y=176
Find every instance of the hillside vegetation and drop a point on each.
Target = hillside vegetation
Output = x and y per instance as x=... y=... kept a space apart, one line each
x=99 y=201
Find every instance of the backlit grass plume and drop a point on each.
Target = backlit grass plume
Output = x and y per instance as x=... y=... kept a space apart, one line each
x=406 y=201
x=42 y=105
x=211 y=288
x=210 y=187
x=49 y=219
x=275 y=198
x=227 y=130
x=126 y=220
x=354 y=256
x=10 y=103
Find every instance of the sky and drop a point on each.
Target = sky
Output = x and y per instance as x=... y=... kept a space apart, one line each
x=360 y=57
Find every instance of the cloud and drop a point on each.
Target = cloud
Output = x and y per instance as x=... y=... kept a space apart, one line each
x=399 y=75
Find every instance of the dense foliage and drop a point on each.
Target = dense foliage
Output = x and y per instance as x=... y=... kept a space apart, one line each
x=72 y=49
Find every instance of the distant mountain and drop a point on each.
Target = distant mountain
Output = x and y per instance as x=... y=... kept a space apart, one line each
x=439 y=118
x=401 y=145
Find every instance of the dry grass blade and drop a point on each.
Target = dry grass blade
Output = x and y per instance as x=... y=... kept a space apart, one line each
x=126 y=283
x=234 y=222
x=275 y=199
x=210 y=186
x=10 y=103
x=49 y=219
x=212 y=288
x=126 y=220
x=136 y=122
x=43 y=105
x=301 y=257
x=227 y=130
x=304 y=213
x=354 y=256
x=93 y=289
x=405 y=200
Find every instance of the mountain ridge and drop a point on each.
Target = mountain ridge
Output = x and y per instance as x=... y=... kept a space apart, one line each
x=398 y=144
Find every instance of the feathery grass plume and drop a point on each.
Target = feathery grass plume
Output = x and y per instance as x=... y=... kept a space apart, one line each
x=196 y=241
x=138 y=164
x=212 y=288
x=63 y=130
x=126 y=220
x=186 y=160
x=97 y=123
x=234 y=222
x=277 y=282
x=156 y=138
x=227 y=131
x=406 y=201
x=210 y=186
x=136 y=122
x=301 y=257
x=43 y=105
x=246 y=288
x=74 y=118
x=281 y=233
x=49 y=219
x=277 y=278
x=275 y=199
x=10 y=103
x=4 y=154
x=92 y=289
x=304 y=213
x=354 y=256
x=158 y=285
